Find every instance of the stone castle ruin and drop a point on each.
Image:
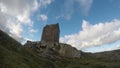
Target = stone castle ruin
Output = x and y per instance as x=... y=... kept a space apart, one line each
x=49 y=45
x=51 y=33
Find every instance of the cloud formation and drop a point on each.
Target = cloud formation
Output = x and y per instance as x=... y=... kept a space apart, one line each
x=14 y=14
x=94 y=35
x=33 y=30
x=118 y=46
x=85 y=5
x=44 y=3
x=42 y=17
x=69 y=9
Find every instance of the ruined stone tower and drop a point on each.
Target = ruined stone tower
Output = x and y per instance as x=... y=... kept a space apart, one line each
x=51 y=33
x=49 y=45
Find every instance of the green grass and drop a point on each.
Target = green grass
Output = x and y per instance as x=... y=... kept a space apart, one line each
x=14 y=55
x=86 y=63
x=23 y=58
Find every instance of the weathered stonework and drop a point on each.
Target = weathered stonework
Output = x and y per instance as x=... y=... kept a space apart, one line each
x=49 y=45
x=47 y=49
x=51 y=33
x=31 y=44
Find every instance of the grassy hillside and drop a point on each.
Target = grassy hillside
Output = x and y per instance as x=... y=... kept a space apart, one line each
x=14 y=55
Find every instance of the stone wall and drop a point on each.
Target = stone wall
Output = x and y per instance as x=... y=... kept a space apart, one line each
x=51 y=33
x=31 y=44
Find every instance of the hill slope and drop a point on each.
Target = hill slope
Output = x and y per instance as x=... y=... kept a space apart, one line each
x=14 y=55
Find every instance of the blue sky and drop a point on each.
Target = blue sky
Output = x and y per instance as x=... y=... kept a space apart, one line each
x=88 y=25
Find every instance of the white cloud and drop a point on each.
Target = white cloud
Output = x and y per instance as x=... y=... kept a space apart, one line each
x=14 y=14
x=94 y=35
x=44 y=3
x=85 y=5
x=42 y=17
x=33 y=30
x=118 y=46
x=69 y=7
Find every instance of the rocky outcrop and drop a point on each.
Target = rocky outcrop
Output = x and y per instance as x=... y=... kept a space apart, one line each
x=108 y=55
x=69 y=51
x=52 y=50
x=51 y=33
